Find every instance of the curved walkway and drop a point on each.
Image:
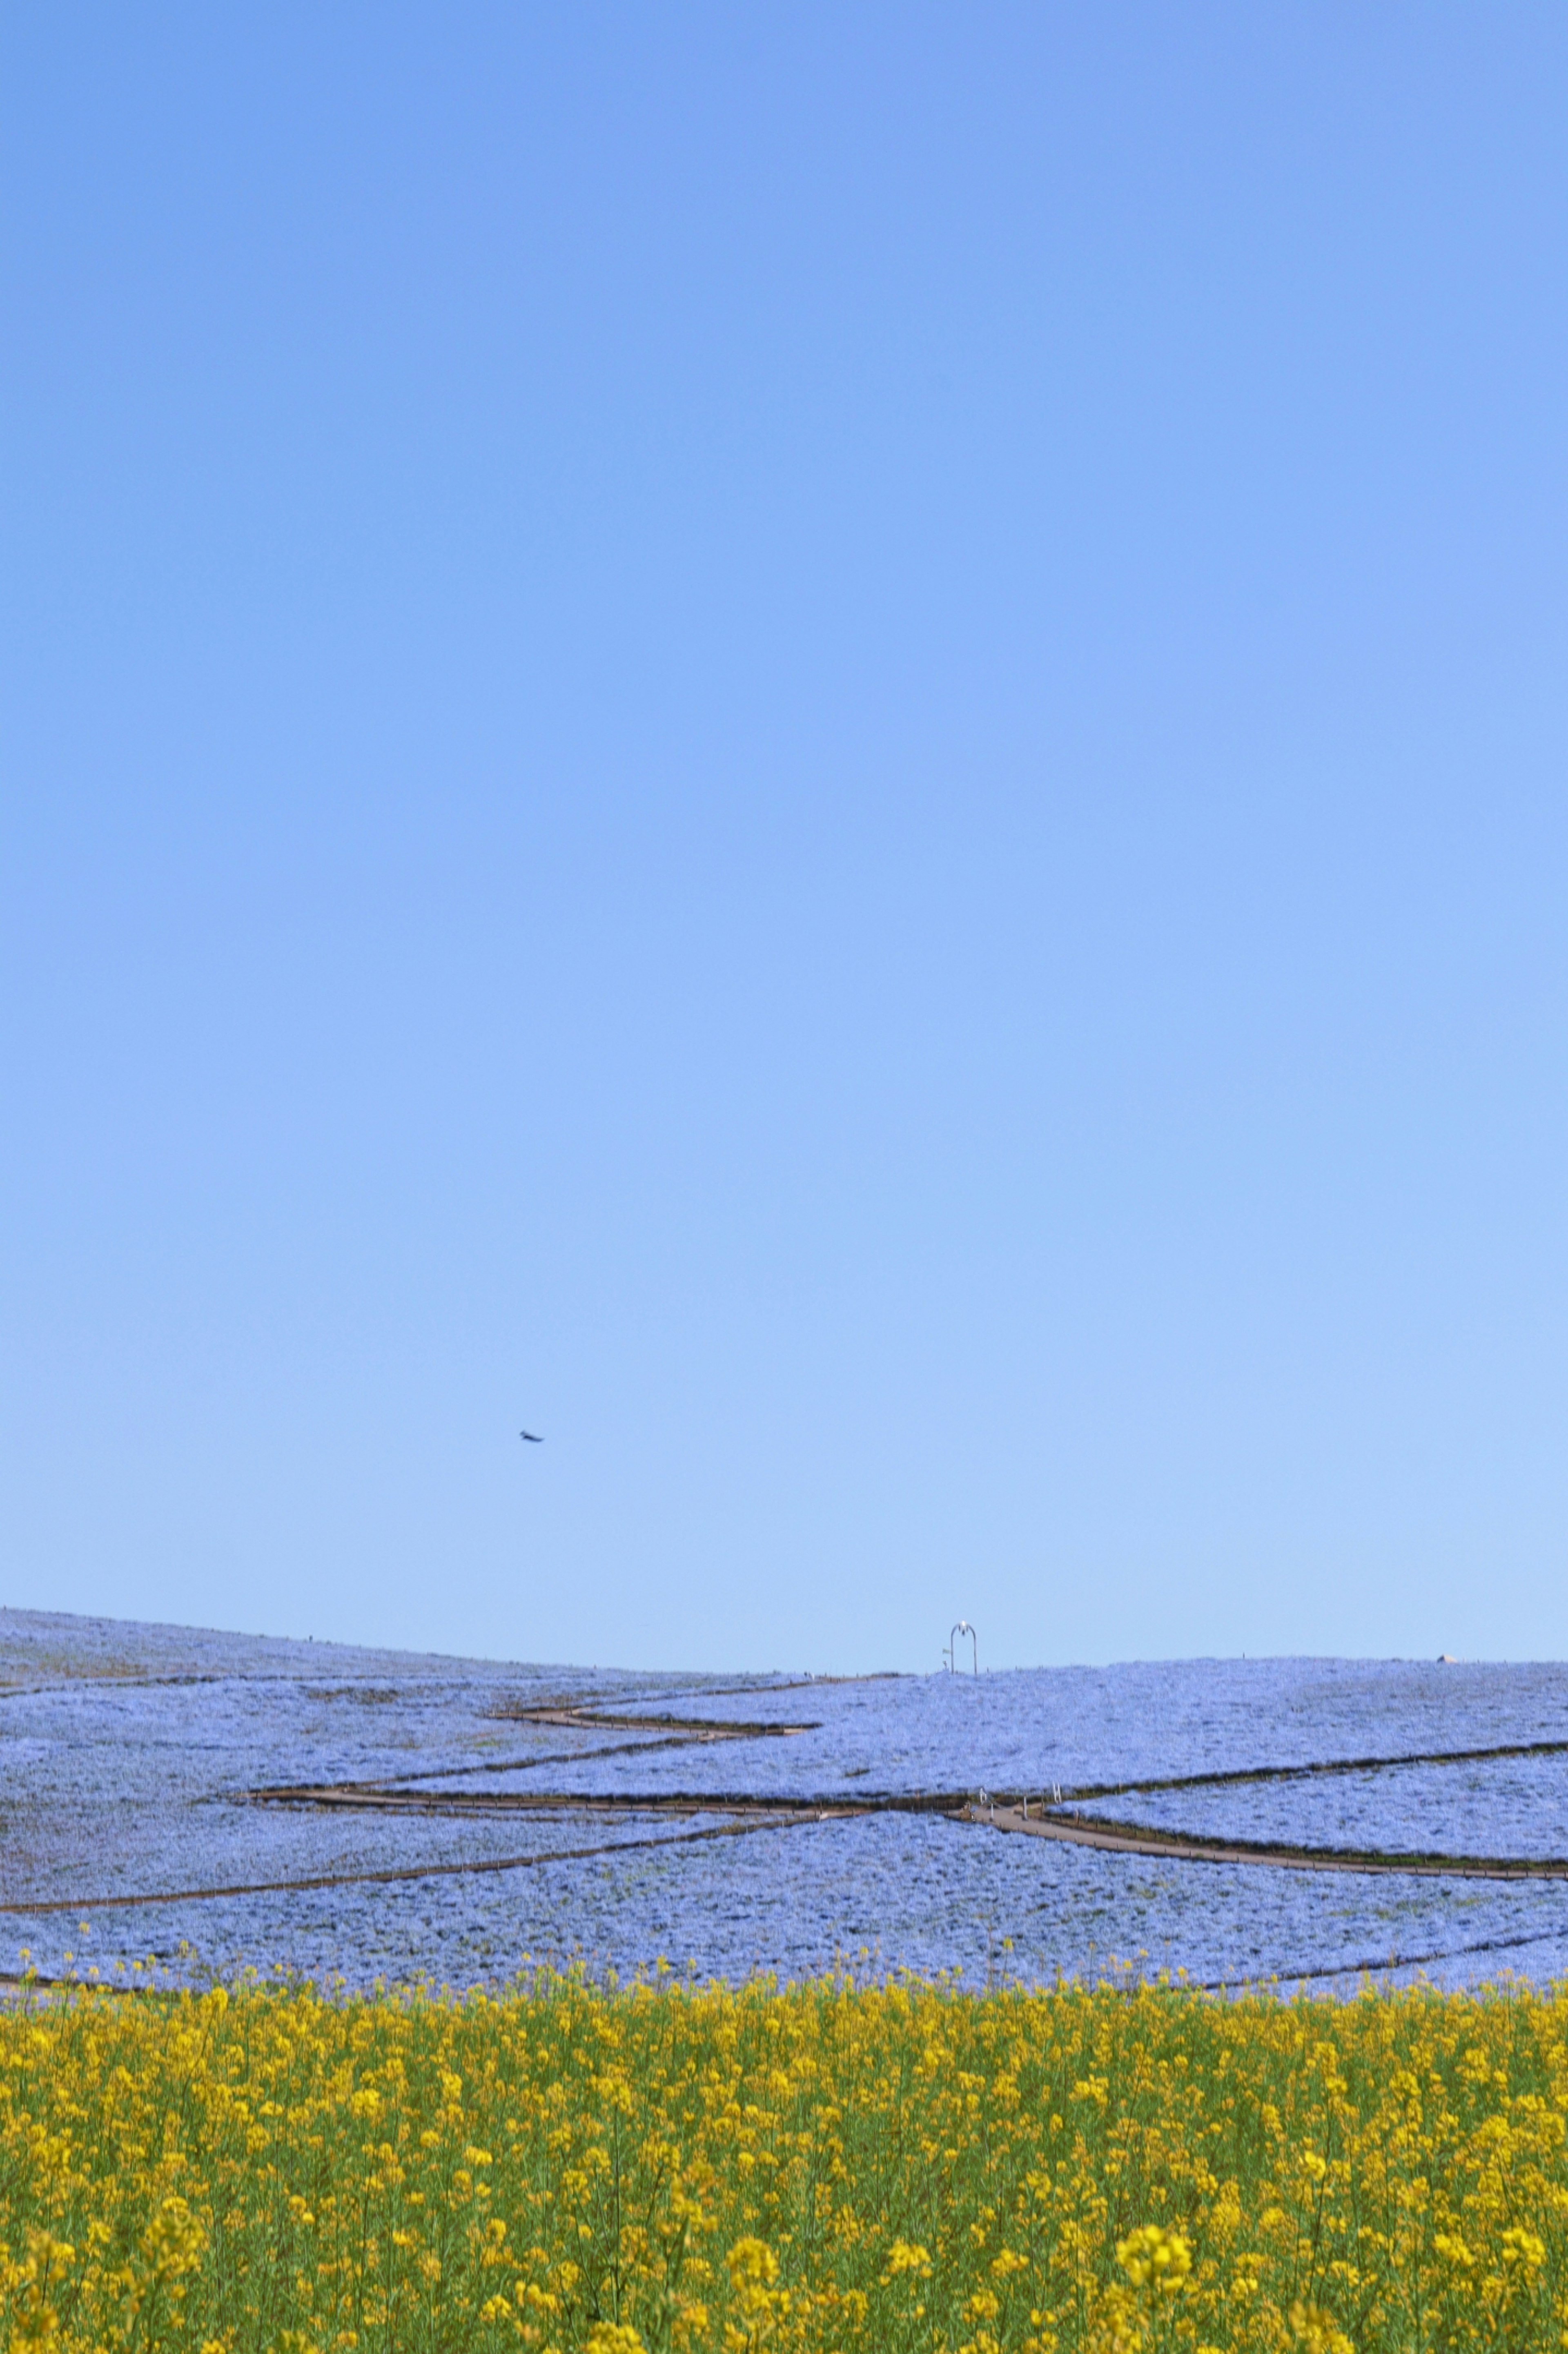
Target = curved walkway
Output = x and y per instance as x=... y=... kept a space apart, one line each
x=1187 y=1847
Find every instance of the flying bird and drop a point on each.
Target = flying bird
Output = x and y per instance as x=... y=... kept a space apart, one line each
x=532 y=1436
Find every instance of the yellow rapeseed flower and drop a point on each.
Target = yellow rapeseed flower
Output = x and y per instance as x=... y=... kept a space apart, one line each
x=1153 y=2257
x=792 y=2172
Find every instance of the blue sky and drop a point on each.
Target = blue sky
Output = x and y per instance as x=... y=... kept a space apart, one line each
x=824 y=748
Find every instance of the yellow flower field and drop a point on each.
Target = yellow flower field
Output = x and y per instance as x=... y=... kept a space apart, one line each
x=817 y=2168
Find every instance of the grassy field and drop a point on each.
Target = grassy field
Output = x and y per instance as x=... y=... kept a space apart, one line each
x=815 y=2168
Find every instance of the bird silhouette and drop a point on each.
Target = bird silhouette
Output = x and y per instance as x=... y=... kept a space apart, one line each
x=532 y=1436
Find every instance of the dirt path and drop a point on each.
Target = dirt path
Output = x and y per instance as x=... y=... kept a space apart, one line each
x=1186 y=1847
x=1228 y=1776
x=390 y=1873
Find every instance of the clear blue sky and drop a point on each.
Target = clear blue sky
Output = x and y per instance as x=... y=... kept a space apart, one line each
x=825 y=749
